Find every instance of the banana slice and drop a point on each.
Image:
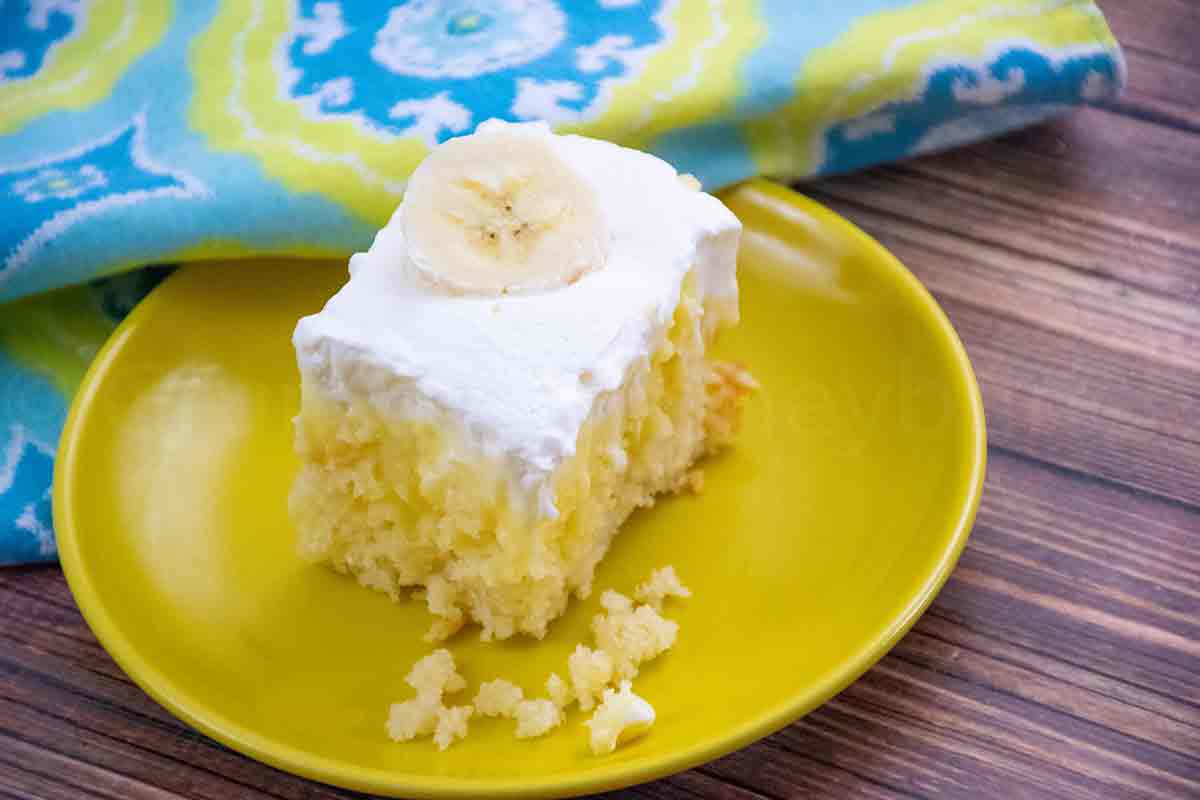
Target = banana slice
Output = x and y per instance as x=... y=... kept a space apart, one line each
x=501 y=212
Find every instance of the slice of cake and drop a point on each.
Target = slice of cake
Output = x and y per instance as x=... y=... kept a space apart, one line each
x=518 y=362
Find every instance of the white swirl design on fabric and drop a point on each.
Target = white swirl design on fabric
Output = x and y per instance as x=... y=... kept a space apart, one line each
x=459 y=39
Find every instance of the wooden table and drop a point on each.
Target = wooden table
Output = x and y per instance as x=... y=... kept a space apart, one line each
x=1063 y=657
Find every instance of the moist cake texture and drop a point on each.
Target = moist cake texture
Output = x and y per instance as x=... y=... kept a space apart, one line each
x=484 y=449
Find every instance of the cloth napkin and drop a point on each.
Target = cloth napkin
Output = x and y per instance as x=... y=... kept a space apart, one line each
x=136 y=132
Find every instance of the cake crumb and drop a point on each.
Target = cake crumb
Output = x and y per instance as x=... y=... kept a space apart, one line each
x=559 y=691
x=727 y=383
x=627 y=633
x=426 y=714
x=536 y=718
x=691 y=481
x=621 y=717
x=630 y=638
x=443 y=628
x=498 y=698
x=661 y=584
x=435 y=675
x=451 y=725
x=615 y=602
x=412 y=718
x=444 y=603
x=591 y=671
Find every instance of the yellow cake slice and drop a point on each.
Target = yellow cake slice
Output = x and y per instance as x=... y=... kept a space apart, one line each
x=480 y=415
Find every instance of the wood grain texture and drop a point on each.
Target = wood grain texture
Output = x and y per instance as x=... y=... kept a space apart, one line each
x=1160 y=41
x=1062 y=660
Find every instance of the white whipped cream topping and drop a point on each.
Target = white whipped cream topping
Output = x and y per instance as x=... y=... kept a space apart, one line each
x=522 y=371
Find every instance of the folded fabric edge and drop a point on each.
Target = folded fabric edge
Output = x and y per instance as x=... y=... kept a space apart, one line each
x=919 y=79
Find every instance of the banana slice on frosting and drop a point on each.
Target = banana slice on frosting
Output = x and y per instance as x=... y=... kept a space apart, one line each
x=501 y=212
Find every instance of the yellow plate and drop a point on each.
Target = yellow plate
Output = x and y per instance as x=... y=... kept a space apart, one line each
x=815 y=545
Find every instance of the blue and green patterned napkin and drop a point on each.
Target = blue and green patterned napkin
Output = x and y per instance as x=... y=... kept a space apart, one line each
x=135 y=132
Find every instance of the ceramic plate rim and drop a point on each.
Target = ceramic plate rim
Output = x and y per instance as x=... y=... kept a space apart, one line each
x=161 y=688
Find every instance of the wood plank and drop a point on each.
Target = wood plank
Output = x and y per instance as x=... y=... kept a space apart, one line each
x=1053 y=751
x=1159 y=38
x=42 y=624
x=809 y=773
x=43 y=581
x=1123 y=694
x=1168 y=27
x=940 y=760
x=694 y=783
x=1103 y=526
x=1083 y=406
x=1097 y=192
x=1022 y=633
x=1160 y=89
x=95 y=723
x=1062 y=607
x=1024 y=685
x=1043 y=557
x=47 y=771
